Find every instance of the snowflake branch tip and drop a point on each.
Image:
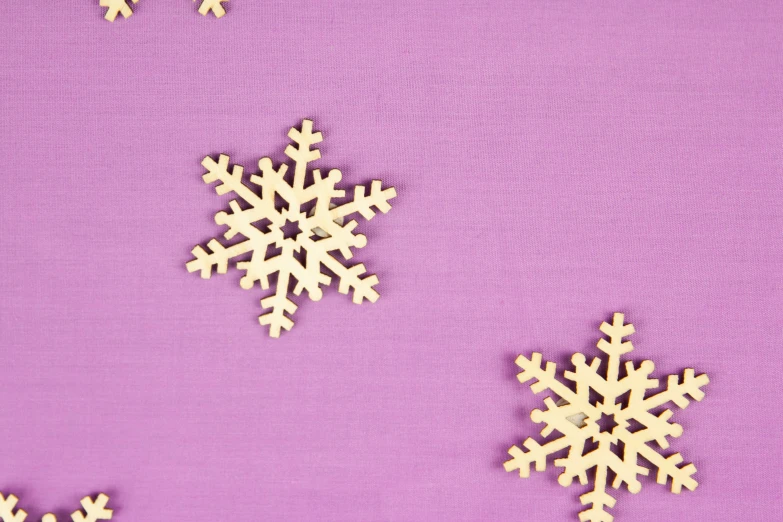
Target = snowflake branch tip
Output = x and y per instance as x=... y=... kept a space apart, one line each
x=212 y=5
x=616 y=332
x=600 y=408
x=219 y=257
x=218 y=171
x=305 y=137
x=681 y=476
x=531 y=369
x=520 y=460
x=597 y=513
x=276 y=319
x=94 y=510
x=364 y=204
x=115 y=7
x=362 y=287
x=303 y=154
x=7 y=505
x=691 y=385
x=535 y=454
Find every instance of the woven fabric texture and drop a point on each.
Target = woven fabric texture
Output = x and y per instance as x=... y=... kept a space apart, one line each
x=554 y=162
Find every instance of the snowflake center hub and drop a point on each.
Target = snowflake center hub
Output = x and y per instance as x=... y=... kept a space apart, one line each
x=607 y=423
x=291 y=229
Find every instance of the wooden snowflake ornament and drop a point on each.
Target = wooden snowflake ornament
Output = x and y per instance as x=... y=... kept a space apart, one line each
x=94 y=510
x=116 y=7
x=212 y=5
x=583 y=420
x=290 y=228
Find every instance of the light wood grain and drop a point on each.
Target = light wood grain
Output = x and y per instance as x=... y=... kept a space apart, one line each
x=321 y=233
x=212 y=5
x=623 y=401
x=94 y=510
x=115 y=7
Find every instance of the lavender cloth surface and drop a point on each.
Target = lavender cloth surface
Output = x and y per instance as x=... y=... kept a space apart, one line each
x=554 y=163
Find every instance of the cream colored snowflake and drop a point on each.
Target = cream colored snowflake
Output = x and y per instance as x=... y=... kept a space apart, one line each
x=305 y=240
x=607 y=422
x=94 y=510
x=116 y=7
x=212 y=5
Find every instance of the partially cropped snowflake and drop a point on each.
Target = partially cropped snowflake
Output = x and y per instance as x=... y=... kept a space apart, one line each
x=291 y=229
x=582 y=419
x=212 y=5
x=115 y=7
x=94 y=510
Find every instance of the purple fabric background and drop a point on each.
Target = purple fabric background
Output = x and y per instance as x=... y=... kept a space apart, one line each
x=554 y=164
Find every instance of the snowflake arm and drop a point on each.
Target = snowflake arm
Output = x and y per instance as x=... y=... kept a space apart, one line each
x=323 y=191
x=676 y=391
x=116 y=7
x=546 y=379
x=658 y=427
x=615 y=416
x=219 y=257
x=585 y=378
x=309 y=277
x=637 y=381
x=363 y=204
x=93 y=510
x=349 y=278
x=554 y=418
x=238 y=222
x=212 y=5
x=667 y=466
x=279 y=302
x=306 y=248
x=273 y=182
x=229 y=181
x=7 y=506
x=598 y=498
x=626 y=470
x=302 y=154
x=536 y=453
x=615 y=348
x=336 y=236
x=258 y=269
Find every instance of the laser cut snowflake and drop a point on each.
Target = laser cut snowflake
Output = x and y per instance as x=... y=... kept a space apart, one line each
x=212 y=5
x=94 y=510
x=320 y=231
x=116 y=7
x=580 y=419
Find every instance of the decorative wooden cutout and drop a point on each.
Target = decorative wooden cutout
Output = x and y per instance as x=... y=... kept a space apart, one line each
x=93 y=510
x=116 y=7
x=308 y=241
x=565 y=417
x=212 y=5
